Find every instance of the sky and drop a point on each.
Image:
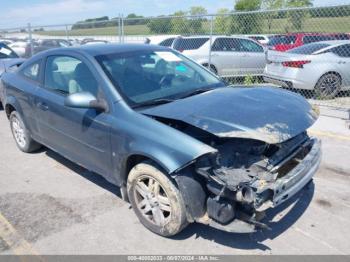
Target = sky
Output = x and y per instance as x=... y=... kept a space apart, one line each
x=17 y=13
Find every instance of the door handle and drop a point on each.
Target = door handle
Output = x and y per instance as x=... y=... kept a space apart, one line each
x=42 y=106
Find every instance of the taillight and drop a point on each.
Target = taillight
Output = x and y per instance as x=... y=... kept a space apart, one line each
x=296 y=64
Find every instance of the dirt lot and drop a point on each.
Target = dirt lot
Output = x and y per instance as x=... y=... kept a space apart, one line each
x=49 y=205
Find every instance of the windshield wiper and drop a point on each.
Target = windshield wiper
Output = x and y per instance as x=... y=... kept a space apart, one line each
x=196 y=92
x=154 y=102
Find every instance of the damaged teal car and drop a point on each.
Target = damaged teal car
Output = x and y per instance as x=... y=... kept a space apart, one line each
x=182 y=145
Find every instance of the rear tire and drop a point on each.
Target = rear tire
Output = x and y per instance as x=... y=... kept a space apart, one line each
x=328 y=86
x=21 y=134
x=156 y=201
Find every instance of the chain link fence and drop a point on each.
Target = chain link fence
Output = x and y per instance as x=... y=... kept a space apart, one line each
x=305 y=50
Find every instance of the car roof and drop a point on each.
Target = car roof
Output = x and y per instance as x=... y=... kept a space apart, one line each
x=215 y=36
x=105 y=49
x=335 y=42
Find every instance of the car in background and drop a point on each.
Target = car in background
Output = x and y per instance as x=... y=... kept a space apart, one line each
x=46 y=44
x=162 y=40
x=180 y=144
x=285 y=42
x=6 y=41
x=8 y=60
x=322 y=66
x=22 y=48
x=262 y=39
x=94 y=42
x=74 y=42
x=229 y=56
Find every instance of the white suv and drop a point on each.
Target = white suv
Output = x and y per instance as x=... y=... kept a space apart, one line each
x=230 y=56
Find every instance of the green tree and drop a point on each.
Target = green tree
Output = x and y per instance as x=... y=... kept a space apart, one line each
x=297 y=17
x=179 y=24
x=247 y=23
x=195 y=24
x=160 y=25
x=222 y=22
x=198 y=10
x=273 y=5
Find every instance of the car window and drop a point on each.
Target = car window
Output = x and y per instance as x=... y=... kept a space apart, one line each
x=343 y=50
x=148 y=75
x=167 y=42
x=181 y=44
x=6 y=52
x=257 y=38
x=226 y=44
x=308 y=49
x=282 y=39
x=32 y=71
x=317 y=38
x=68 y=75
x=250 y=46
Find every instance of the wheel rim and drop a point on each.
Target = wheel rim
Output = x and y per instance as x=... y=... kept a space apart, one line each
x=18 y=132
x=329 y=85
x=152 y=200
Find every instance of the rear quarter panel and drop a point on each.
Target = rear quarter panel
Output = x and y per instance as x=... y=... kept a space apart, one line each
x=19 y=94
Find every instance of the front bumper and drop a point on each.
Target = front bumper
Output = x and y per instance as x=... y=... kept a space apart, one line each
x=283 y=189
x=294 y=181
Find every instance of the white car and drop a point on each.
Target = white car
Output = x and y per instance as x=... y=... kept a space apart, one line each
x=229 y=56
x=322 y=66
x=262 y=39
x=21 y=48
x=162 y=40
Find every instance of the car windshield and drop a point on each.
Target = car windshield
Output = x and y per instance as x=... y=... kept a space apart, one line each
x=6 y=52
x=281 y=39
x=308 y=49
x=145 y=76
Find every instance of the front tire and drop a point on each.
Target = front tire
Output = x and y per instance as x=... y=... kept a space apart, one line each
x=21 y=134
x=156 y=200
x=328 y=86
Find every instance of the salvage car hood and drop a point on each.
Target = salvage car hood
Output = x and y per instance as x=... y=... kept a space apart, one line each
x=262 y=113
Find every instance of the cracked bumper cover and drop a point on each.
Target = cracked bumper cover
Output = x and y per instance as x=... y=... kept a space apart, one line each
x=284 y=188
x=287 y=186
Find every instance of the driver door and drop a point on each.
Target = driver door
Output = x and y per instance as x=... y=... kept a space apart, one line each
x=82 y=135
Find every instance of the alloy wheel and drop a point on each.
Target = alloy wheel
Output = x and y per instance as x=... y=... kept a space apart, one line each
x=18 y=132
x=152 y=200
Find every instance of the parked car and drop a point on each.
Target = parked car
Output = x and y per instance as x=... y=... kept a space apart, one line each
x=8 y=59
x=322 y=66
x=22 y=48
x=46 y=44
x=94 y=42
x=230 y=56
x=262 y=39
x=182 y=146
x=288 y=41
x=6 y=41
x=162 y=40
x=74 y=42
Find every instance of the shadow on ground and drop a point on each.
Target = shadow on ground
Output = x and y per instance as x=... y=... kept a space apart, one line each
x=296 y=205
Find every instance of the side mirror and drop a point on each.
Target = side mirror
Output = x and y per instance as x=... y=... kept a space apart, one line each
x=85 y=100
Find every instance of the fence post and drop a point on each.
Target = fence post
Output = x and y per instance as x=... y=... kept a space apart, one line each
x=30 y=39
x=119 y=28
x=67 y=35
x=122 y=20
x=210 y=41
